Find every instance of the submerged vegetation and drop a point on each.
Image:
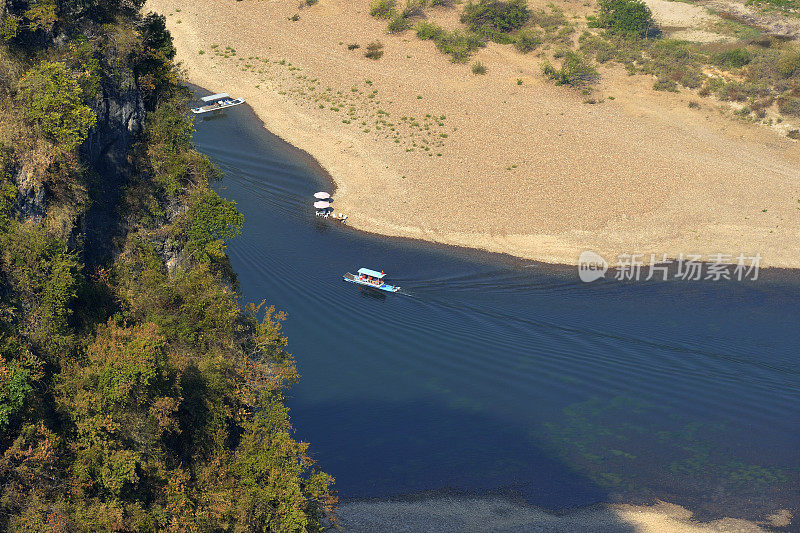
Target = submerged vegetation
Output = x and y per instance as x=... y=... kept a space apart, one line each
x=135 y=393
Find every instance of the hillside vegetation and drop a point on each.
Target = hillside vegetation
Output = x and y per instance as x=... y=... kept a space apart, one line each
x=135 y=393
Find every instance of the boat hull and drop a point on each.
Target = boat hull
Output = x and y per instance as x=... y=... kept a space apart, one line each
x=385 y=287
x=211 y=108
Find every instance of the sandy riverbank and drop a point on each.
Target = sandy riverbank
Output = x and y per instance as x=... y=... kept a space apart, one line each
x=458 y=514
x=528 y=170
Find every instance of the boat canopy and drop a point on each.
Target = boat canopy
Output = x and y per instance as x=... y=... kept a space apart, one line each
x=368 y=272
x=213 y=97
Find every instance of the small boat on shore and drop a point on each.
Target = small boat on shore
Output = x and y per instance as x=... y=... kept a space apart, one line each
x=371 y=279
x=215 y=102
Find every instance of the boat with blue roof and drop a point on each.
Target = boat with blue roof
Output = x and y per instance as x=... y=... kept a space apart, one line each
x=370 y=278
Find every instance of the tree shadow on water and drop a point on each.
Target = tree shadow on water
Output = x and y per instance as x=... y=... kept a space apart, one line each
x=429 y=463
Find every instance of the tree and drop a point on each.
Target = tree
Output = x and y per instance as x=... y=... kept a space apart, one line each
x=625 y=17
x=41 y=15
x=495 y=15
x=575 y=70
x=277 y=486
x=19 y=370
x=211 y=220
x=122 y=404
x=52 y=100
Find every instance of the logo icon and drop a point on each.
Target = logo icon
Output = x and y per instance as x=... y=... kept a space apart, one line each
x=591 y=266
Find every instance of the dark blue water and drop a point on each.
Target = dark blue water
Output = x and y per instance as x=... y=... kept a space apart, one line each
x=494 y=375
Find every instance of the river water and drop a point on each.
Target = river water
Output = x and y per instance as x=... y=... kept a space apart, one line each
x=489 y=374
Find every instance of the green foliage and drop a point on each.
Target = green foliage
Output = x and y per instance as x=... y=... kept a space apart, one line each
x=122 y=403
x=789 y=7
x=194 y=313
x=414 y=8
x=86 y=64
x=575 y=70
x=665 y=84
x=602 y=49
x=625 y=17
x=210 y=221
x=270 y=465
x=492 y=16
x=155 y=36
x=384 y=9
x=527 y=40
x=735 y=58
x=674 y=63
x=478 y=68
x=675 y=60
x=398 y=24
x=9 y=28
x=52 y=100
x=459 y=45
x=152 y=61
x=429 y=30
x=41 y=15
x=137 y=398
x=18 y=372
x=8 y=192
x=737 y=91
x=789 y=63
x=549 y=20
x=789 y=106
x=43 y=273
x=169 y=132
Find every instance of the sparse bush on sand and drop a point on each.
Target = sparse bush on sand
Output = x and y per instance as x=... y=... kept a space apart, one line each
x=414 y=8
x=398 y=24
x=374 y=50
x=575 y=70
x=527 y=40
x=789 y=64
x=383 y=9
x=459 y=45
x=735 y=58
x=789 y=106
x=478 y=68
x=428 y=30
x=625 y=17
x=493 y=16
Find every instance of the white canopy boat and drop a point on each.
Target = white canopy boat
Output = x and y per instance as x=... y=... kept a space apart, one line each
x=371 y=279
x=215 y=102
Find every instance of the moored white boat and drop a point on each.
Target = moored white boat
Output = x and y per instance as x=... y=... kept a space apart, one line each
x=215 y=102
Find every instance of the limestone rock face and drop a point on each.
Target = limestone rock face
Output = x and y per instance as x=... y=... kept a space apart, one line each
x=120 y=113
